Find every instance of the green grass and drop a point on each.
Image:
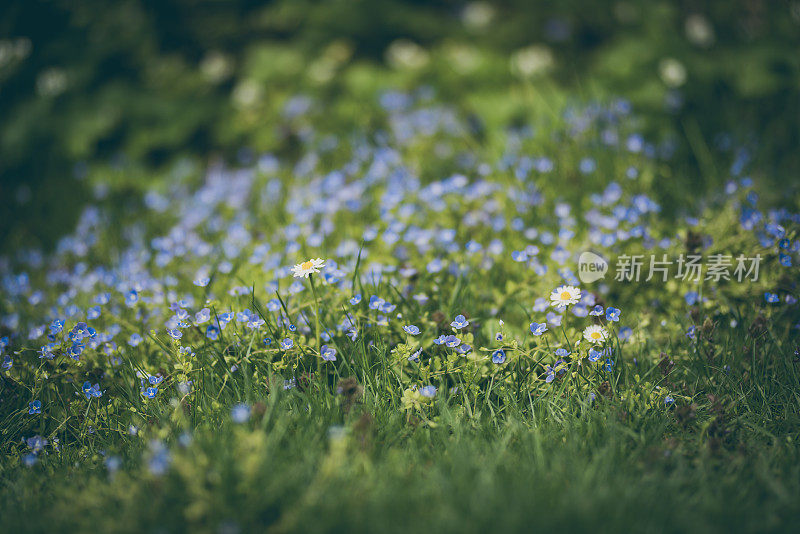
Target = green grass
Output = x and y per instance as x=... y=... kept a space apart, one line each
x=724 y=459
x=307 y=464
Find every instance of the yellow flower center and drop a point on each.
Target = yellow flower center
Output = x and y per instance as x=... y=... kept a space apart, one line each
x=595 y=335
x=306 y=265
x=565 y=295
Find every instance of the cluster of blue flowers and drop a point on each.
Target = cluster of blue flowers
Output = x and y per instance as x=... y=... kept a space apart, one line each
x=208 y=279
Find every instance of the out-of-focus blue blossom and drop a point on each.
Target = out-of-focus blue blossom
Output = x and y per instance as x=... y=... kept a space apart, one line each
x=240 y=413
x=428 y=391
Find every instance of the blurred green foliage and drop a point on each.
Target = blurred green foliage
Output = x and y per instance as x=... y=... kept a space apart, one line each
x=88 y=86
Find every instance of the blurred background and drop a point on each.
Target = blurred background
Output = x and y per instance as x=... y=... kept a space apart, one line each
x=101 y=99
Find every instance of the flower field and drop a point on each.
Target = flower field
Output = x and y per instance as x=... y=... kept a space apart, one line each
x=515 y=310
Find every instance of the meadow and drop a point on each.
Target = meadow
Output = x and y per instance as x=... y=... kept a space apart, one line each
x=386 y=321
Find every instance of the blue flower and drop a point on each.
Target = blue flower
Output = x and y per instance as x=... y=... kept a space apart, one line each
x=240 y=413
x=287 y=344
x=35 y=407
x=588 y=165
x=609 y=364
x=212 y=332
x=56 y=326
x=594 y=354
x=386 y=307
x=459 y=322
x=356 y=299
x=36 y=443
x=375 y=302
x=554 y=319
x=428 y=391
x=499 y=356
x=434 y=266
x=202 y=316
x=537 y=329
x=551 y=372
x=691 y=333
x=75 y=350
x=415 y=357
x=255 y=322
x=668 y=400
x=135 y=340
x=160 y=458
x=202 y=281
x=440 y=340
x=562 y=352
x=691 y=297
x=131 y=298
x=452 y=341
x=411 y=329
x=91 y=390
x=473 y=246
x=113 y=463
x=150 y=392
x=8 y=363
x=612 y=314
x=225 y=318
x=771 y=297
x=328 y=353
x=174 y=333
x=580 y=310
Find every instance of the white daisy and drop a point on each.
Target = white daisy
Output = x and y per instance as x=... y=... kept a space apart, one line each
x=308 y=267
x=563 y=296
x=595 y=334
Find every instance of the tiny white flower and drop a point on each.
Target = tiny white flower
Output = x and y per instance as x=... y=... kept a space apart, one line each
x=563 y=296
x=595 y=334
x=308 y=267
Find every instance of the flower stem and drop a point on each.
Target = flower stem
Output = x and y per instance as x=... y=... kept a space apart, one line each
x=316 y=312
